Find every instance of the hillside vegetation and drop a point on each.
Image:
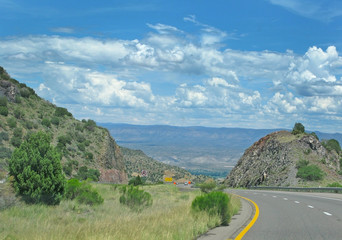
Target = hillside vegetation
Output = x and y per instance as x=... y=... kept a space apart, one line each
x=83 y=144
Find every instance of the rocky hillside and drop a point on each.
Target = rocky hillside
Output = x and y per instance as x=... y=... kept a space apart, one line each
x=285 y=159
x=82 y=143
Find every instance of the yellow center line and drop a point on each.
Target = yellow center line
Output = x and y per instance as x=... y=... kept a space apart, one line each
x=256 y=215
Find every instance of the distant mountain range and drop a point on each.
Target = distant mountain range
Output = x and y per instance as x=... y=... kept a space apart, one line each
x=199 y=149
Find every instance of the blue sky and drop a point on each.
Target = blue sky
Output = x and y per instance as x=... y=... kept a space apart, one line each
x=227 y=63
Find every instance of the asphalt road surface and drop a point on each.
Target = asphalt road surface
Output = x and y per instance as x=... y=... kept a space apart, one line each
x=287 y=215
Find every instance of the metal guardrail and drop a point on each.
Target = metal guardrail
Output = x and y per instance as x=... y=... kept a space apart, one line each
x=300 y=189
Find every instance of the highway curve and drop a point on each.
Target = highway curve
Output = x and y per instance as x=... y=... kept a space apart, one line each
x=288 y=215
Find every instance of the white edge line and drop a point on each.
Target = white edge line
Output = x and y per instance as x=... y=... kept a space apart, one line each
x=328 y=214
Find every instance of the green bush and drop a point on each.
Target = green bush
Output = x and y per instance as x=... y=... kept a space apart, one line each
x=4 y=136
x=213 y=203
x=12 y=123
x=55 y=121
x=208 y=186
x=135 y=198
x=60 y=112
x=82 y=192
x=16 y=141
x=315 y=135
x=28 y=124
x=332 y=144
x=72 y=188
x=310 y=173
x=18 y=114
x=84 y=173
x=136 y=181
x=18 y=132
x=46 y=122
x=3 y=101
x=17 y=99
x=90 y=125
x=302 y=163
x=81 y=147
x=90 y=197
x=5 y=152
x=37 y=171
x=4 y=111
x=298 y=129
x=25 y=92
x=89 y=156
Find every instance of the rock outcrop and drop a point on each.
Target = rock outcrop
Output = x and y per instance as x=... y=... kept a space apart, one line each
x=271 y=161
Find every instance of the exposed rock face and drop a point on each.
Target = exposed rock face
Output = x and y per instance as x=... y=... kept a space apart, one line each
x=112 y=162
x=272 y=160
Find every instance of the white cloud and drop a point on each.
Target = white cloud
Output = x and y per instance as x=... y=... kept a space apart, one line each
x=323 y=10
x=121 y=79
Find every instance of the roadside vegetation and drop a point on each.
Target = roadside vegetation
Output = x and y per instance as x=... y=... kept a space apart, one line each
x=169 y=217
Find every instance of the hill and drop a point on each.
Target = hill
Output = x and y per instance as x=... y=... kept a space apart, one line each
x=284 y=159
x=82 y=143
x=138 y=163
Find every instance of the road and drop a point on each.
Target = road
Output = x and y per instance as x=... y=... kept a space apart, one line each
x=288 y=215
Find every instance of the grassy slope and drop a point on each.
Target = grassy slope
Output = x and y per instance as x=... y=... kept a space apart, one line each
x=169 y=218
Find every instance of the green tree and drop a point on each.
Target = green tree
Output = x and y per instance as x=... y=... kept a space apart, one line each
x=332 y=144
x=37 y=171
x=298 y=129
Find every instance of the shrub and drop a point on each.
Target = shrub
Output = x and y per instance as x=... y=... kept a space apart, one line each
x=81 y=147
x=208 y=186
x=17 y=99
x=135 y=198
x=60 y=112
x=302 y=163
x=85 y=173
x=18 y=114
x=298 y=129
x=25 y=92
x=332 y=144
x=36 y=170
x=55 y=121
x=12 y=123
x=82 y=192
x=90 y=125
x=68 y=169
x=4 y=111
x=16 y=141
x=18 y=132
x=135 y=181
x=310 y=173
x=46 y=122
x=4 y=136
x=213 y=203
x=3 y=101
x=28 y=124
x=5 y=152
x=72 y=188
x=89 y=156
x=90 y=196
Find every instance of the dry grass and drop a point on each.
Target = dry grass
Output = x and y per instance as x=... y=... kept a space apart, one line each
x=168 y=218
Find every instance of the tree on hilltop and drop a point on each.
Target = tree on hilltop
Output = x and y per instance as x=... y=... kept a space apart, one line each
x=298 y=129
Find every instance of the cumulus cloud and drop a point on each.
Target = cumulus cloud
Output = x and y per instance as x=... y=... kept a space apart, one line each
x=315 y=73
x=120 y=79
